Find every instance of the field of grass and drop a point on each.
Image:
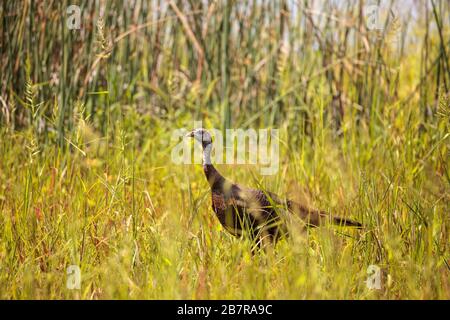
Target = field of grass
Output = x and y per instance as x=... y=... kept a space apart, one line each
x=86 y=123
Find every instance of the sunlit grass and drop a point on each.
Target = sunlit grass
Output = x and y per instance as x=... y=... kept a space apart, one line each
x=60 y=209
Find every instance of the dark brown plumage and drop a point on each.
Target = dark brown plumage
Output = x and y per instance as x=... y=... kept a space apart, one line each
x=244 y=211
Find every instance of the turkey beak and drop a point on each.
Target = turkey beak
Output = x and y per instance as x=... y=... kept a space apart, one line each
x=190 y=134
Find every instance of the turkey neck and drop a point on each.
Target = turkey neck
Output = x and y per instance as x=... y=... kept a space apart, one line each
x=213 y=176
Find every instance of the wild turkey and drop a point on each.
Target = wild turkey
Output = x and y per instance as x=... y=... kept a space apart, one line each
x=254 y=212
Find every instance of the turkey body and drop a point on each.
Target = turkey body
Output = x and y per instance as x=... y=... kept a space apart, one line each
x=247 y=212
x=262 y=215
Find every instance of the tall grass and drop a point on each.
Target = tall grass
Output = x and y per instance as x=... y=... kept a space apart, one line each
x=86 y=119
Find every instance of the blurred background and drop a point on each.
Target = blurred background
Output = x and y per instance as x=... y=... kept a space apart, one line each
x=254 y=63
